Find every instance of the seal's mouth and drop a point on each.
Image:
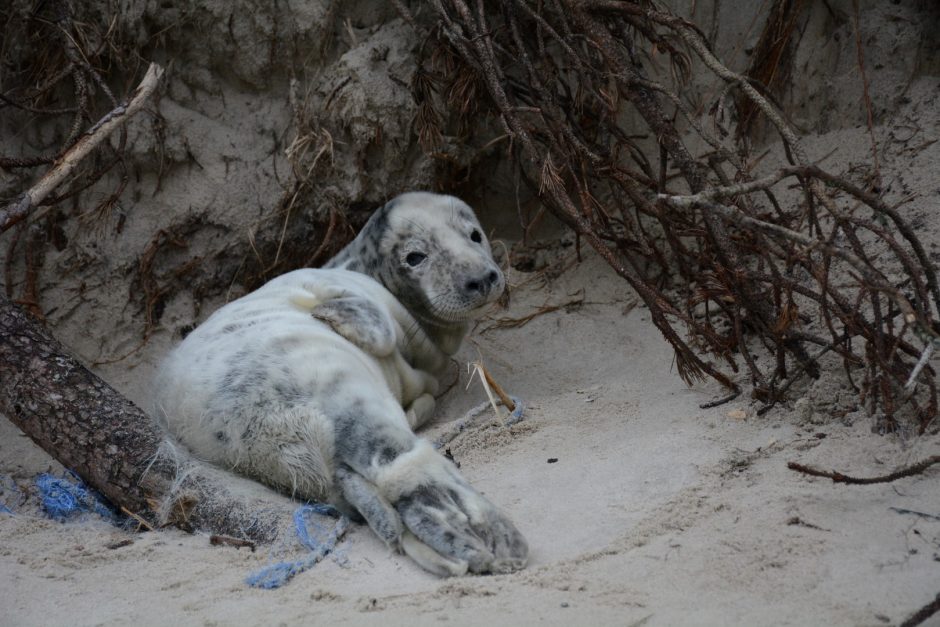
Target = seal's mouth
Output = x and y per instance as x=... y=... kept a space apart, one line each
x=452 y=308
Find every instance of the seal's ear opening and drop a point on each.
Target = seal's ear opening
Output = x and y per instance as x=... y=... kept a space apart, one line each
x=377 y=223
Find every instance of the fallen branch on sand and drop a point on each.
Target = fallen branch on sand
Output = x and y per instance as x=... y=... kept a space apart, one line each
x=838 y=477
x=933 y=607
x=921 y=615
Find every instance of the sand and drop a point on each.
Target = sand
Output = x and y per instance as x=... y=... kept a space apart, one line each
x=656 y=512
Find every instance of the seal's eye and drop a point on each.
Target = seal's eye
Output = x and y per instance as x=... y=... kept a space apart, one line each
x=476 y=237
x=415 y=259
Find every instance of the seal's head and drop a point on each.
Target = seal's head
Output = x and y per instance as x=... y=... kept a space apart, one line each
x=431 y=253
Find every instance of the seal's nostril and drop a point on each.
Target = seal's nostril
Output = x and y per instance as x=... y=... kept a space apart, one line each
x=473 y=286
x=493 y=276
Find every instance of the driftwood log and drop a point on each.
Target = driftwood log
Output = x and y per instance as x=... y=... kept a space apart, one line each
x=112 y=444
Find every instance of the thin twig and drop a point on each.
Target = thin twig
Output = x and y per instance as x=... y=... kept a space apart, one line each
x=515 y=323
x=141 y=522
x=220 y=540
x=866 y=97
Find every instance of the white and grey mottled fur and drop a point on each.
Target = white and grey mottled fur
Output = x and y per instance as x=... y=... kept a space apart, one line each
x=314 y=383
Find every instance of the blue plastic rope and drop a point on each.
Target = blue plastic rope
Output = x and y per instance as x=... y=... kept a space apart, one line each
x=276 y=575
x=62 y=499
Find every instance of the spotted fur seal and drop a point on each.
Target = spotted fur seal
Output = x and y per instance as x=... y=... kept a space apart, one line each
x=314 y=383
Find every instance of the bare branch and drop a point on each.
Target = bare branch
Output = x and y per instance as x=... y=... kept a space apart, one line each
x=25 y=203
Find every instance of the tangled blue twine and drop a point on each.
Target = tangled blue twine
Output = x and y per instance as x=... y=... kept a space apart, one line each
x=62 y=499
x=276 y=575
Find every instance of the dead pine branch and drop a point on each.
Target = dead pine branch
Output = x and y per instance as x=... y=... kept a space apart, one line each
x=773 y=55
x=726 y=258
x=66 y=164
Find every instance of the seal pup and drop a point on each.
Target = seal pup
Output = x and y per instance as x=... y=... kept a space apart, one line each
x=315 y=382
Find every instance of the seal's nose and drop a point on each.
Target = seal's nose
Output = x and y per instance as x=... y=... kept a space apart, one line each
x=483 y=284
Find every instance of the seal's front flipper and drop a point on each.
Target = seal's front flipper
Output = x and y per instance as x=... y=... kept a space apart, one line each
x=360 y=321
x=420 y=411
